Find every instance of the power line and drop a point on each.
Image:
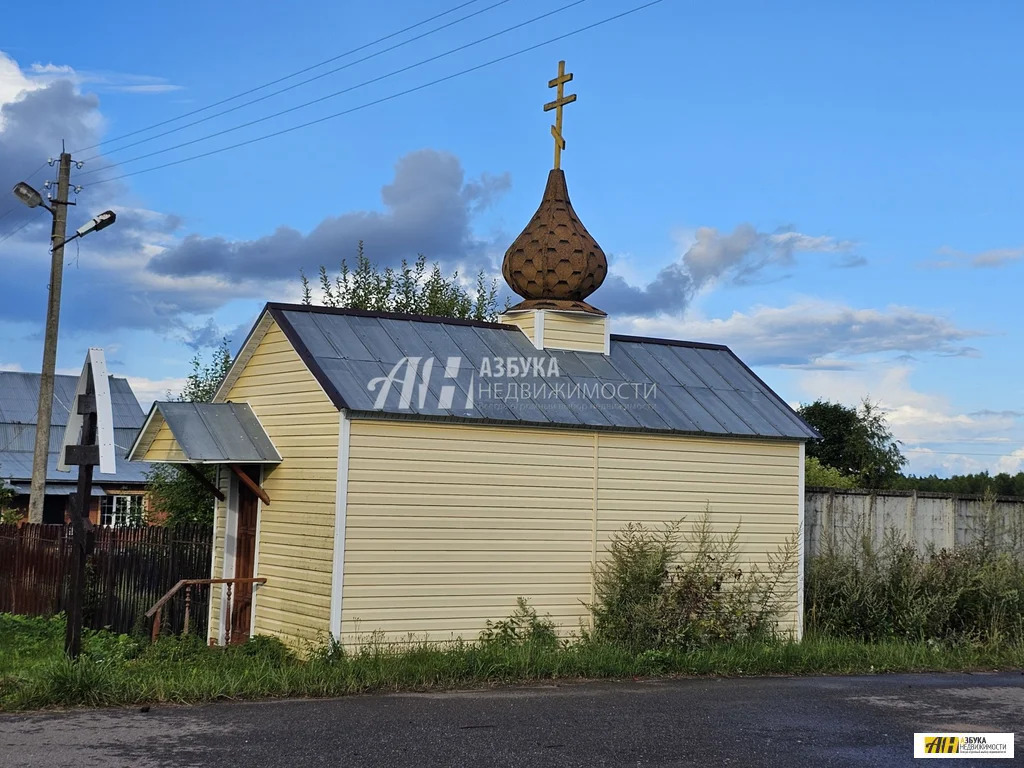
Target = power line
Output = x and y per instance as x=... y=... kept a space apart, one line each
x=14 y=231
x=335 y=93
x=278 y=80
x=293 y=86
x=383 y=99
x=14 y=207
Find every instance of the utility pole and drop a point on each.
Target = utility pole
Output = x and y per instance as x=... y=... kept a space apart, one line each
x=57 y=240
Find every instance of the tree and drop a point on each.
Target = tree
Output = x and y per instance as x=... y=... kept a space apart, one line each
x=7 y=513
x=818 y=475
x=178 y=495
x=978 y=484
x=855 y=441
x=411 y=289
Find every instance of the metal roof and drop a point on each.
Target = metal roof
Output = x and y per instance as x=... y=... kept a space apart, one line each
x=19 y=396
x=19 y=400
x=212 y=433
x=652 y=385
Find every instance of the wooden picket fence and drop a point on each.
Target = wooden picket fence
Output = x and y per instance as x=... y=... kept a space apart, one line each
x=127 y=572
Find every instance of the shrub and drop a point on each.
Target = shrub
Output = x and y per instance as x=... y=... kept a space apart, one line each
x=523 y=627
x=894 y=591
x=662 y=590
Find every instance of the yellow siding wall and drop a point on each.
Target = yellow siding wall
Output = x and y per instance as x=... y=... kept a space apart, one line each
x=296 y=533
x=448 y=524
x=164 y=446
x=655 y=479
x=525 y=321
x=574 y=330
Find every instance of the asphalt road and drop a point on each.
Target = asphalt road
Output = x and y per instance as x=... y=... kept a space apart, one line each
x=824 y=721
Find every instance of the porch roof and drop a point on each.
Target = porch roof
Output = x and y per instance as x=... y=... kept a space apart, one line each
x=204 y=433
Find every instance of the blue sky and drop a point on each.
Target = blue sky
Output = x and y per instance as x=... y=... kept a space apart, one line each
x=831 y=190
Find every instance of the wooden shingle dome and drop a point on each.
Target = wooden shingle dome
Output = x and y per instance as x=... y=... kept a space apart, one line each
x=555 y=263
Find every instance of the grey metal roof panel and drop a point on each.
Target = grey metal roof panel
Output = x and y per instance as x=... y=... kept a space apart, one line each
x=19 y=400
x=218 y=432
x=687 y=387
x=17 y=465
x=19 y=394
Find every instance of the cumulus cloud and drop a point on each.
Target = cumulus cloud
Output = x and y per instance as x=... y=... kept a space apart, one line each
x=804 y=333
x=937 y=436
x=741 y=256
x=146 y=273
x=994 y=257
x=428 y=209
x=148 y=390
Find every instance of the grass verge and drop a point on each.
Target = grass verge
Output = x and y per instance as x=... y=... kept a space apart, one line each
x=116 y=670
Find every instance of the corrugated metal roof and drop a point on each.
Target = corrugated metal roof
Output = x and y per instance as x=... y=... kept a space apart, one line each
x=17 y=465
x=19 y=400
x=644 y=384
x=19 y=394
x=218 y=432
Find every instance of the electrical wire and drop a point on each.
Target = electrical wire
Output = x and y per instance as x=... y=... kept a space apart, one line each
x=14 y=231
x=335 y=94
x=383 y=99
x=299 y=84
x=13 y=208
x=278 y=80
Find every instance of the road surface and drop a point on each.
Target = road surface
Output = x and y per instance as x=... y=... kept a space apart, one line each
x=823 y=721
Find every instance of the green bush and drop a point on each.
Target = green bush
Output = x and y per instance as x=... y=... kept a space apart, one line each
x=523 y=627
x=893 y=591
x=660 y=589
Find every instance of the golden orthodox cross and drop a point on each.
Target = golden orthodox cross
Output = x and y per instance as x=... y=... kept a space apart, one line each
x=557 y=104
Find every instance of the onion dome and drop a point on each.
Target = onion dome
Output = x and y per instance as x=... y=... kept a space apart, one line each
x=555 y=263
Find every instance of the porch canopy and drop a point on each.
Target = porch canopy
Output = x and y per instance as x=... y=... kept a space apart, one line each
x=205 y=433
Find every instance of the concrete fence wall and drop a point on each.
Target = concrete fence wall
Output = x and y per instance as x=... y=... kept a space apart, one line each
x=942 y=521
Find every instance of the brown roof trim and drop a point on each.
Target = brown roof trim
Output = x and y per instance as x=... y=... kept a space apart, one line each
x=437 y=419
x=668 y=342
x=279 y=307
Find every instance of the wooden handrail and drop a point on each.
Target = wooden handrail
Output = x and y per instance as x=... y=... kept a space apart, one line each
x=157 y=609
x=191 y=582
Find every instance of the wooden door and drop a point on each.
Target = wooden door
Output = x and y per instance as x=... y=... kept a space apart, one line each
x=245 y=557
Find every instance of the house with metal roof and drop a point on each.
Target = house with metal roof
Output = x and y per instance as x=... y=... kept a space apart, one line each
x=116 y=497
x=413 y=476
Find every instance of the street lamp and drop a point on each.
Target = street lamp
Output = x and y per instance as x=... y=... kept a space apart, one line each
x=29 y=196
x=59 y=211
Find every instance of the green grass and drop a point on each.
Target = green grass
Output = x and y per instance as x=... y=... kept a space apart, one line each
x=117 y=670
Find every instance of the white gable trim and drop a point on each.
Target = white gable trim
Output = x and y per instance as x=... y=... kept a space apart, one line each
x=244 y=355
x=800 y=542
x=340 y=512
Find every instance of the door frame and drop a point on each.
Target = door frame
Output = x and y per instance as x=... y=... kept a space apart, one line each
x=230 y=551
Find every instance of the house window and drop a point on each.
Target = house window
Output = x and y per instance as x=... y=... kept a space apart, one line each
x=121 y=511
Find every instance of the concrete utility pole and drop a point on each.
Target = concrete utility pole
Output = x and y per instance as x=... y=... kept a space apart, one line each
x=57 y=240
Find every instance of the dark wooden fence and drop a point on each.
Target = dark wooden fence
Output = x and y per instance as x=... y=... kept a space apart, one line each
x=127 y=572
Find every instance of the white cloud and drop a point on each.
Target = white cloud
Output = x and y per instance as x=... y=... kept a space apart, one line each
x=802 y=334
x=711 y=257
x=937 y=436
x=148 y=390
x=994 y=257
x=1013 y=463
